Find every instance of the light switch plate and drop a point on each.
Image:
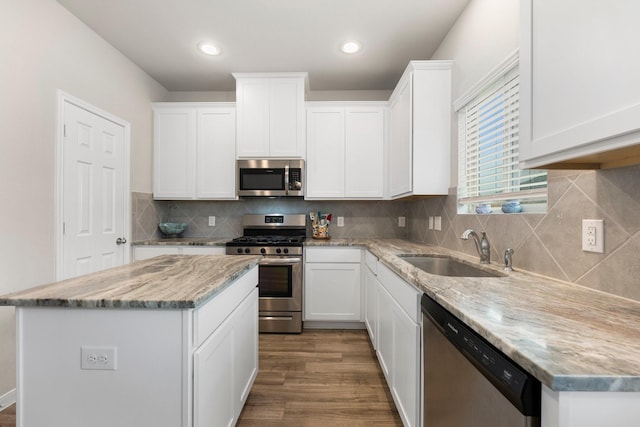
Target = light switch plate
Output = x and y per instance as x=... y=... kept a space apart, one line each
x=212 y=221
x=401 y=221
x=340 y=221
x=430 y=223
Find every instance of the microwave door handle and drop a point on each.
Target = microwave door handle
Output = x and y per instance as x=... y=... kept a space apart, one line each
x=286 y=178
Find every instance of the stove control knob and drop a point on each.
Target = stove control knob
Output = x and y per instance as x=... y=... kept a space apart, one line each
x=247 y=250
x=263 y=251
x=278 y=250
x=286 y=251
x=239 y=250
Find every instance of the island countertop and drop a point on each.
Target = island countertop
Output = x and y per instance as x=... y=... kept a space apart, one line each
x=164 y=282
x=569 y=337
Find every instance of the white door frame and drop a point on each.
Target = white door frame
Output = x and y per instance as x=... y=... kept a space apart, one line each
x=64 y=97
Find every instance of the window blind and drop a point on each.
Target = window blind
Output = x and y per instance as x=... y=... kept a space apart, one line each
x=488 y=169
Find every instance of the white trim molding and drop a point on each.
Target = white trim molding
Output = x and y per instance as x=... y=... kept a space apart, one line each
x=499 y=70
x=7 y=399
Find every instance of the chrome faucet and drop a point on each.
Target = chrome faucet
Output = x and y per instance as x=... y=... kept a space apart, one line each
x=508 y=261
x=482 y=245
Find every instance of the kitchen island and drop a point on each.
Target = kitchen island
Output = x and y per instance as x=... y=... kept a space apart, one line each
x=583 y=345
x=170 y=341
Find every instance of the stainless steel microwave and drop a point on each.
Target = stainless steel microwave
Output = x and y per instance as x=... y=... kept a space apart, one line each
x=270 y=178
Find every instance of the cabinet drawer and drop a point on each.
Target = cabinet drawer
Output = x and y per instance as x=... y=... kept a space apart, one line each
x=208 y=317
x=332 y=255
x=203 y=250
x=372 y=262
x=407 y=297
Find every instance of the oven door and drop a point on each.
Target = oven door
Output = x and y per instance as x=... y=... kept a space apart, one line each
x=280 y=283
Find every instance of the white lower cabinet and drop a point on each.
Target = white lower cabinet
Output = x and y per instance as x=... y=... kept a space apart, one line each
x=399 y=346
x=142 y=252
x=228 y=357
x=332 y=290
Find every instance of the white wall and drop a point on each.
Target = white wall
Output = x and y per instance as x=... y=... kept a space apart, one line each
x=482 y=37
x=44 y=48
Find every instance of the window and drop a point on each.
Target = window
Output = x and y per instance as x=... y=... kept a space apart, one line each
x=489 y=179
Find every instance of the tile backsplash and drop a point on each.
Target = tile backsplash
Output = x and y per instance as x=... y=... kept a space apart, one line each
x=550 y=244
x=547 y=244
x=361 y=218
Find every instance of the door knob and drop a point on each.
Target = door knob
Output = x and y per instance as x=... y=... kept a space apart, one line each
x=121 y=241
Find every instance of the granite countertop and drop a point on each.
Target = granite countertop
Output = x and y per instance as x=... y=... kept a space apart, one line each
x=166 y=282
x=569 y=337
x=185 y=241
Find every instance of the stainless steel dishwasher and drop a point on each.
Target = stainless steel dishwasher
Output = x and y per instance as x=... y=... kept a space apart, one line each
x=468 y=382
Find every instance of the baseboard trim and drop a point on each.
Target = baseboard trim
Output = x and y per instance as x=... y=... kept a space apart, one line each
x=7 y=399
x=321 y=324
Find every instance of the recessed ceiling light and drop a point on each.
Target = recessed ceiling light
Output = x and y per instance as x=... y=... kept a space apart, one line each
x=209 y=48
x=352 y=46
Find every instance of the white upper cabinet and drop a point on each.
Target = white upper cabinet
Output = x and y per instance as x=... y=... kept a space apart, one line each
x=194 y=151
x=420 y=131
x=580 y=97
x=345 y=147
x=270 y=109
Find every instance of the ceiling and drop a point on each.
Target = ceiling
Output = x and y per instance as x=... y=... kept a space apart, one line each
x=160 y=36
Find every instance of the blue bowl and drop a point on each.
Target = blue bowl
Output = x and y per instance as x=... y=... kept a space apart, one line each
x=511 y=207
x=172 y=229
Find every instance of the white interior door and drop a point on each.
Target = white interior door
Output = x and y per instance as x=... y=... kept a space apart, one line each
x=94 y=209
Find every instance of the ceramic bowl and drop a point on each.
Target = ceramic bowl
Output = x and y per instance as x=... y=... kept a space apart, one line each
x=172 y=229
x=484 y=208
x=511 y=206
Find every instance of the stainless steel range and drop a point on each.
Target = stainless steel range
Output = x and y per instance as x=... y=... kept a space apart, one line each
x=279 y=238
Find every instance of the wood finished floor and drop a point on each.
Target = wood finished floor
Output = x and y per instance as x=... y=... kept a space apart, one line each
x=317 y=378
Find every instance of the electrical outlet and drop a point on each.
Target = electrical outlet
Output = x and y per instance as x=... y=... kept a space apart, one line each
x=340 y=221
x=437 y=223
x=212 y=221
x=593 y=235
x=401 y=221
x=430 y=223
x=98 y=358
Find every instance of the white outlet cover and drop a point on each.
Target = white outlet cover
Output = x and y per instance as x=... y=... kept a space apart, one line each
x=98 y=358
x=401 y=221
x=212 y=221
x=593 y=235
x=437 y=223
x=430 y=223
x=340 y=221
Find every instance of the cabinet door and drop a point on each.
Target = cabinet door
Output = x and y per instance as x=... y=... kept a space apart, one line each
x=363 y=164
x=406 y=372
x=213 y=380
x=174 y=153
x=225 y=367
x=286 y=117
x=371 y=305
x=385 y=349
x=325 y=146
x=572 y=104
x=253 y=117
x=400 y=161
x=332 y=292
x=203 y=250
x=216 y=154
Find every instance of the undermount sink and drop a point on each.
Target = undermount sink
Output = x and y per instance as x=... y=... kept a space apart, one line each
x=447 y=266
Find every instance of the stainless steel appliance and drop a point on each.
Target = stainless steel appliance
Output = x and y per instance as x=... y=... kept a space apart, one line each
x=270 y=178
x=468 y=382
x=279 y=238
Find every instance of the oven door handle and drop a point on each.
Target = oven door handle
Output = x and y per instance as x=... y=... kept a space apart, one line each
x=280 y=260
